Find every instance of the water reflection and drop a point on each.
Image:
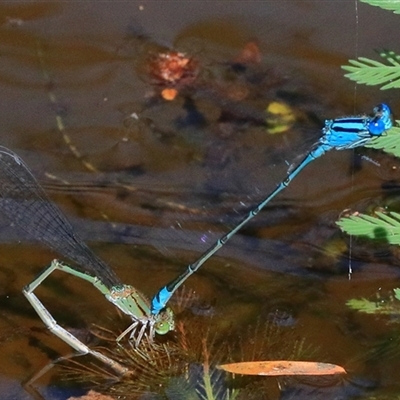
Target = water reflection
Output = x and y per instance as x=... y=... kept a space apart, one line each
x=176 y=174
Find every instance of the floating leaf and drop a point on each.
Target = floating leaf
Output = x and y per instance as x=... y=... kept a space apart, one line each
x=381 y=226
x=371 y=72
x=92 y=395
x=282 y=368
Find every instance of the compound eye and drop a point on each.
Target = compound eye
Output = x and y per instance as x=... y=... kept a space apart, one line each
x=382 y=108
x=376 y=127
x=162 y=327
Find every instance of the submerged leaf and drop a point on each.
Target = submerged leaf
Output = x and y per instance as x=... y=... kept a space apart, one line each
x=282 y=368
x=280 y=117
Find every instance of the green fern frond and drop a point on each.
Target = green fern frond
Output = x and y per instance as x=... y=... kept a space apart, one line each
x=371 y=72
x=211 y=387
x=392 y=5
x=366 y=306
x=389 y=307
x=388 y=142
x=382 y=226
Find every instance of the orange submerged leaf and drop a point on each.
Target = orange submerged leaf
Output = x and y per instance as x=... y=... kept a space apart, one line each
x=169 y=94
x=250 y=54
x=282 y=367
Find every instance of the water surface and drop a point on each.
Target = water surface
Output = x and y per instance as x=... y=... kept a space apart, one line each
x=150 y=184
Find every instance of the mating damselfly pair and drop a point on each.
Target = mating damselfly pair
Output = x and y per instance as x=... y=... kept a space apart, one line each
x=24 y=202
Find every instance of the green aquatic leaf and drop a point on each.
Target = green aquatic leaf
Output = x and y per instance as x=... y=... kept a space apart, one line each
x=397 y=293
x=391 y=5
x=373 y=307
x=381 y=305
x=389 y=142
x=381 y=226
x=364 y=305
x=370 y=72
x=210 y=386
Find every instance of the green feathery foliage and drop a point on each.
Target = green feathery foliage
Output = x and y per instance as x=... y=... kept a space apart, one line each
x=381 y=226
x=386 y=306
x=391 y=5
x=388 y=142
x=371 y=72
x=369 y=307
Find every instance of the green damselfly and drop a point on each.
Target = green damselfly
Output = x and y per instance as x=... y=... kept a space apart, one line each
x=26 y=205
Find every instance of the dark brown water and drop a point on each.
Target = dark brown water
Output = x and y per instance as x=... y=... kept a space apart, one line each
x=151 y=183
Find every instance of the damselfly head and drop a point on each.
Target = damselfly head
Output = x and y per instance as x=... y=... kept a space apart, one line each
x=161 y=324
x=382 y=110
x=382 y=120
x=164 y=322
x=134 y=304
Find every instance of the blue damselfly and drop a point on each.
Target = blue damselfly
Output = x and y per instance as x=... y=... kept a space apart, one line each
x=338 y=134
